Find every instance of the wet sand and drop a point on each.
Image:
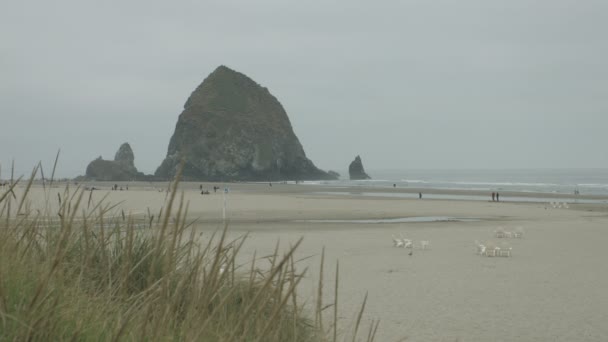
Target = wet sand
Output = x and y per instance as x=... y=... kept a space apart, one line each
x=553 y=288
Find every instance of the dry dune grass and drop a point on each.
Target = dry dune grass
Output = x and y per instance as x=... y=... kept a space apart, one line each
x=77 y=275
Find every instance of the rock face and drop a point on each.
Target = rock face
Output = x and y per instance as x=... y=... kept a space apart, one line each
x=125 y=157
x=232 y=128
x=356 y=171
x=122 y=168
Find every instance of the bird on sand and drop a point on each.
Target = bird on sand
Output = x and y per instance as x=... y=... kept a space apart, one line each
x=411 y=252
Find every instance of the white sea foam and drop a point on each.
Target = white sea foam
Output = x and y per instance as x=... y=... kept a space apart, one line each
x=587 y=181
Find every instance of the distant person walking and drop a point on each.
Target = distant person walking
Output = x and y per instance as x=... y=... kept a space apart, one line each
x=493 y=196
x=497 y=196
x=420 y=195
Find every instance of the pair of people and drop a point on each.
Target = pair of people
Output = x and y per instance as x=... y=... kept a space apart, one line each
x=495 y=197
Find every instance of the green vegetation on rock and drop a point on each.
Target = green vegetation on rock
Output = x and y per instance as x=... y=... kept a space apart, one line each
x=232 y=128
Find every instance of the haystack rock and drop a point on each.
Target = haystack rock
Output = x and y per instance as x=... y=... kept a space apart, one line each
x=122 y=168
x=356 y=171
x=232 y=128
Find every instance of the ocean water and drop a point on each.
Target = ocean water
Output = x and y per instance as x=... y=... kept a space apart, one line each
x=550 y=181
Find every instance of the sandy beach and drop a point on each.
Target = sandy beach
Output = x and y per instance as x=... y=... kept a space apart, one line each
x=552 y=288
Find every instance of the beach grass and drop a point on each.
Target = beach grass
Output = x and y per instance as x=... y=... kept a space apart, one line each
x=80 y=273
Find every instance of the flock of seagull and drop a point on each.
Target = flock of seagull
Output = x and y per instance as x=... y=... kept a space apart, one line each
x=490 y=249
x=558 y=205
x=402 y=242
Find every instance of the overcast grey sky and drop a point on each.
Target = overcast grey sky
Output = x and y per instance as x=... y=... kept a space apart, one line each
x=405 y=84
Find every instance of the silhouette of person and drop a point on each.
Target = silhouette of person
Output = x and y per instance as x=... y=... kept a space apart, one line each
x=497 y=200
x=420 y=195
x=493 y=196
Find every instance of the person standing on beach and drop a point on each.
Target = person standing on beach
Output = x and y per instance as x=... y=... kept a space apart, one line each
x=493 y=196
x=420 y=195
x=497 y=200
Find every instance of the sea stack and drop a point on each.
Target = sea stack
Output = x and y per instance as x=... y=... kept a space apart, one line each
x=125 y=157
x=356 y=171
x=233 y=129
x=122 y=168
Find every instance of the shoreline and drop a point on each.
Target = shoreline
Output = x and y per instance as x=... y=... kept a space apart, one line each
x=316 y=188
